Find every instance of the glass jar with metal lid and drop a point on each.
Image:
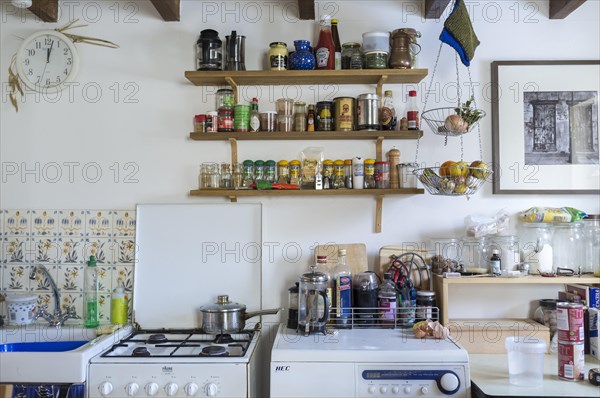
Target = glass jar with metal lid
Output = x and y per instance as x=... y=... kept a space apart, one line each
x=591 y=239
x=351 y=56
x=508 y=247
x=224 y=97
x=376 y=59
x=367 y=111
x=278 y=56
x=567 y=245
x=283 y=172
x=299 y=116
x=426 y=306
x=536 y=246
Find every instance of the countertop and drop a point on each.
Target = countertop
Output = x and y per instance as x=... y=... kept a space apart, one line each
x=489 y=378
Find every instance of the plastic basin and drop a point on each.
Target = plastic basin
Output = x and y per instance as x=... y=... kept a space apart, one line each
x=56 y=346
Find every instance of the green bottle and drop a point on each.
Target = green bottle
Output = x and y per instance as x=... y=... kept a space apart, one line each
x=90 y=295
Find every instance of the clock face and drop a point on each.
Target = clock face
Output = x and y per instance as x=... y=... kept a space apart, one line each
x=46 y=61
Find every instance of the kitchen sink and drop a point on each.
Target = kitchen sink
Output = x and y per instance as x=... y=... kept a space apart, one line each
x=39 y=353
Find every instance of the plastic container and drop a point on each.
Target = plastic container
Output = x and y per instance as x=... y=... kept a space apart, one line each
x=525 y=360
x=376 y=41
x=118 y=307
x=20 y=308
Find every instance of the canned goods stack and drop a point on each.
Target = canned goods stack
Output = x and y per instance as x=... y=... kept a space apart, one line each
x=571 y=359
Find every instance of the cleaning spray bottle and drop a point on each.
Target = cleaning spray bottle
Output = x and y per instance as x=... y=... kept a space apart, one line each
x=118 y=306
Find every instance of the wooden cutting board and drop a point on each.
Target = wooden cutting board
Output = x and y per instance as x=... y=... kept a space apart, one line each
x=385 y=260
x=356 y=254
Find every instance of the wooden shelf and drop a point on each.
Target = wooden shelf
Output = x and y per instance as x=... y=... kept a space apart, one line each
x=304 y=192
x=316 y=135
x=306 y=77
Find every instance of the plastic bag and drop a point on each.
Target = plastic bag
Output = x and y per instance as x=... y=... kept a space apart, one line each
x=478 y=226
x=312 y=159
x=551 y=214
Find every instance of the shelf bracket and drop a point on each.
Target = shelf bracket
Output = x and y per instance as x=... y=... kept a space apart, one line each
x=234 y=86
x=380 y=83
x=378 y=213
x=379 y=149
x=234 y=152
x=233 y=199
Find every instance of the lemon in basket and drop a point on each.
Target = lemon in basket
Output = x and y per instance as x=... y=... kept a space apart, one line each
x=479 y=169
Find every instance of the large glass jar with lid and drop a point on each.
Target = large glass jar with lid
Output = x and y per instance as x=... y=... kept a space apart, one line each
x=591 y=238
x=445 y=255
x=473 y=255
x=351 y=56
x=508 y=247
x=568 y=246
x=536 y=246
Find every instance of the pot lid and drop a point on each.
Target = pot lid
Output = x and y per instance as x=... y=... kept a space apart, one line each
x=223 y=305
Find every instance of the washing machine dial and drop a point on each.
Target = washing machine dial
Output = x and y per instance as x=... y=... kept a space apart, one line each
x=424 y=390
x=449 y=382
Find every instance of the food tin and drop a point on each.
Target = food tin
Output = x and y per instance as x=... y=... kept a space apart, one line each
x=367 y=112
x=594 y=376
x=211 y=121
x=344 y=113
x=241 y=118
x=325 y=120
x=569 y=320
x=571 y=361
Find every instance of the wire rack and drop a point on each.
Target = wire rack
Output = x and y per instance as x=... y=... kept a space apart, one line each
x=453 y=180
x=380 y=318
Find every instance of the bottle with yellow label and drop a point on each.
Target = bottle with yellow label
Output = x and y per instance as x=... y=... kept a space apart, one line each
x=118 y=307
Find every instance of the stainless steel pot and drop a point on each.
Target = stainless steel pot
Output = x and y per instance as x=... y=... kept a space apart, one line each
x=225 y=316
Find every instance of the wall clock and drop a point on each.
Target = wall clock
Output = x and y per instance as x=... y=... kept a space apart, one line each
x=46 y=61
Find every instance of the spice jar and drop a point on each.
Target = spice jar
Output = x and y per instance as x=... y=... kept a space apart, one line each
x=278 y=56
x=382 y=175
x=270 y=171
x=351 y=56
x=299 y=116
x=295 y=172
x=247 y=173
x=226 y=181
x=348 y=173
x=211 y=121
x=324 y=116
x=338 y=174
x=370 y=174
x=283 y=172
x=200 y=123
x=327 y=174
x=237 y=176
x=259 y=171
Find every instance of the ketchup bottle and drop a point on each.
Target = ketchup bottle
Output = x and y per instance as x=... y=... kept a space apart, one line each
x=325 y=49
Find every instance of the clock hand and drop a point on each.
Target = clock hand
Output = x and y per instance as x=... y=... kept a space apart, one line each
x=49 y=51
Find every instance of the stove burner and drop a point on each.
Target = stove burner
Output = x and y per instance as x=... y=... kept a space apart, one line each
x=224 y=339
x=140 y=352
x=156 y=339
x=214 y=351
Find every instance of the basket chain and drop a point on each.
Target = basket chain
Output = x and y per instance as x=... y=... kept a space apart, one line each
x=475 y=103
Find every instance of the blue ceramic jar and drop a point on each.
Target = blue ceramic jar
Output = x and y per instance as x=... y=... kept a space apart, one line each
x=302 y=58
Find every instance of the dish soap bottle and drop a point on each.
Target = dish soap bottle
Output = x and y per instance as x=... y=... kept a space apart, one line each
x=343 y=291
x=90 y=294
x=118 y=306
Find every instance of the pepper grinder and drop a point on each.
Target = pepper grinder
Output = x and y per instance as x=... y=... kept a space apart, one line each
x=394 y=159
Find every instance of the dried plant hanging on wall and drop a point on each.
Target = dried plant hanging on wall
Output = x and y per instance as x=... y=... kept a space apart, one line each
x=28 y=67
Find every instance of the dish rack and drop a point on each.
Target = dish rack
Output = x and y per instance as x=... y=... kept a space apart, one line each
x=379 y=318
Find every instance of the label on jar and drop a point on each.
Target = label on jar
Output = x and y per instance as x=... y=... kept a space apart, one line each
x=279 y=62
x=413 y=120
x=344 y=117
x=571 y=361
x=322 y=57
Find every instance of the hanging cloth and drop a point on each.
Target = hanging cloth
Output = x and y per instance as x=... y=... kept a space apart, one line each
x=458 y=33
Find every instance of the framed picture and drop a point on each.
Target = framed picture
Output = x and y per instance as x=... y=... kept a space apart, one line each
x=545 y=127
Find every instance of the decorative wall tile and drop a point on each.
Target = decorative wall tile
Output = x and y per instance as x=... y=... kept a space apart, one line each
x=100 y=248
x=44 y=222
x=46 y=300
x=69 y=300
x=99 y=223
x=124 y=251
x=105 y=273
x=123 y=276
x=17 y=249
x=71 y=250
x=70 y=278
x=16 y=277
x=104 y=308
x=71 y=223
x=2 y=226
x=124 y=223
x=45 y=250
x=17 y=223
x=41 y=283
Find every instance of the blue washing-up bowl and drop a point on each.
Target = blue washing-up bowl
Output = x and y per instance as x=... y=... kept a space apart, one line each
x=46 y=346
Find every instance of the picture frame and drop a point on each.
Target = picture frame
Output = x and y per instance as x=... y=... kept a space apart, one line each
x=545 y=127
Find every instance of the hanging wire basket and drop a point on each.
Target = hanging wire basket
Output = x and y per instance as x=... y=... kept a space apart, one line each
x=453 y=180
x=445 y=121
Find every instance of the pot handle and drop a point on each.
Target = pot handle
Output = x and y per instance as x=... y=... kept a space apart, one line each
x=252 y=314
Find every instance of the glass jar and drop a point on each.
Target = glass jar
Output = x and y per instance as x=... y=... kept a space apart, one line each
x=224 y=97
x=226 y=179
x=278 y=56
x=473 y=255
x=370 y=174
x=445 y=255
x=338 y=174
x=426 y=306
x=591 y=238
x=545 y=314
x=508 y=247
x=283 y=172
x=348 y=173
x=382 y=175
x=406 y=177
x=284 y=107
x=351 y=56
x=300 y=116
x=247 y=173
x=209 y=176
x=237 y=176
x=270 y=171
x=568 y=246
x=292 y=322
x=259 y=171
x=376 y=60
x=268 y=121
x=327 y=174
x=295 y=172
x=536 y=246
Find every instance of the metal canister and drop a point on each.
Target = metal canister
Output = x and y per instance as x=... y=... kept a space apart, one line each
x=241 y=118
x=211 y=121
x=344 y=113
x=325 y=121
x=571 y=361
x=367 y=111
x=569 y=320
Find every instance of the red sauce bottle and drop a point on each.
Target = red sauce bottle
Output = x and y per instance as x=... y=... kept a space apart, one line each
x=325 y=49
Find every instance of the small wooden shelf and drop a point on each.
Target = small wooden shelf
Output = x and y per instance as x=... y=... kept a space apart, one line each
x=305 y=192
x=316 y=135
x=306 y=77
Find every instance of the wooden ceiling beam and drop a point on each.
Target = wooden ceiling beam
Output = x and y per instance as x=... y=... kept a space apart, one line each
x=560 y=9
x=306 y=9
x=46 y=10
x=435 y=8
x=169 y=10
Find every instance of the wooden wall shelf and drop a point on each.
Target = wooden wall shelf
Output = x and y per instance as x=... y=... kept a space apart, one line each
x=304 y=192
x=316 y=135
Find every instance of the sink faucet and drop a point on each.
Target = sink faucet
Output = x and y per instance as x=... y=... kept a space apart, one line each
x=58 y=318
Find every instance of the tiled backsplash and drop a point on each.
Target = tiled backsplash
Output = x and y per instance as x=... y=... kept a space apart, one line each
x=63 y=240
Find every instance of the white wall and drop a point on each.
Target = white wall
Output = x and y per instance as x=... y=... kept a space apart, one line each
x=144 y=129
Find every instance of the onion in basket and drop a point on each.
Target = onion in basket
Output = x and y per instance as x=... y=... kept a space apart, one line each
x=456 y=124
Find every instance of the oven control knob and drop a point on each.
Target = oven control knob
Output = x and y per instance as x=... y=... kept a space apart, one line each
x=151 y=389
x=211 y=390
x=449 y=382
x=132 y=389
x=171 y=389
x=424 y=390
x=105 y=388
x=407 y=389
x=190 y=389
x=395 y=390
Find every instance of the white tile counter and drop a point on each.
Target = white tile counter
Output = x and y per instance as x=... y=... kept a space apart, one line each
x=489 y=378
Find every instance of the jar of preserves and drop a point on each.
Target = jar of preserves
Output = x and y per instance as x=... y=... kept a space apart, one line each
x=338 y=174
x=370 y=174
x=283 y=172
x=536 y=246
x=426 y=306
x=382 y=175
x=223 y=97
x=351 y=56
x=567 y=245
x=278 y=56
x=295 y=172
x=299 y=116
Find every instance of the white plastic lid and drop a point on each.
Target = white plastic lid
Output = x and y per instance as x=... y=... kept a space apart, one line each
x=525 y=344
x=20 y=298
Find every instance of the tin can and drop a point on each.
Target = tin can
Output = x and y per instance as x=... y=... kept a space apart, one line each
x=569 y=322
x=571 y=361
x=324 y=115
x=211 y=122
x=344 y=113
x=594 y=376
x=367 y=112
x=241 y=118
